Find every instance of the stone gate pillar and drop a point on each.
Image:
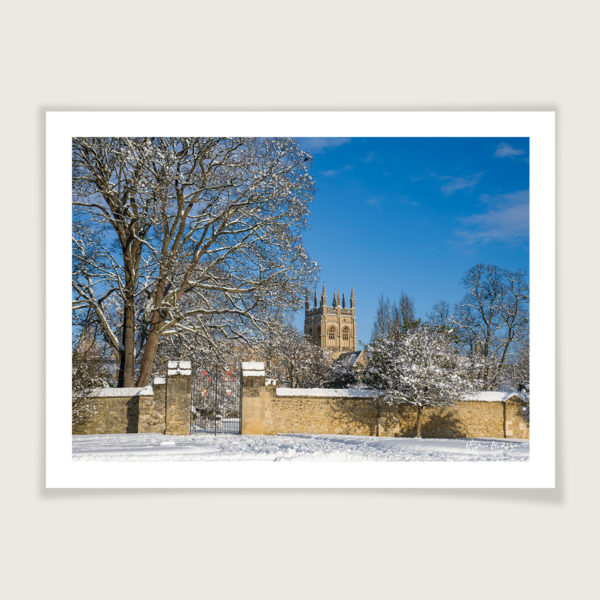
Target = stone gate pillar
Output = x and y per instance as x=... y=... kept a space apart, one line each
x=253 y=394
x=178 y=397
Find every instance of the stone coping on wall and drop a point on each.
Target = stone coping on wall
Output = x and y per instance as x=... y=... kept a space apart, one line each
x=179 y=367
x=491 y=396
x=124 y=392
x=328 y=393
x=368 y=393
x=253 y=369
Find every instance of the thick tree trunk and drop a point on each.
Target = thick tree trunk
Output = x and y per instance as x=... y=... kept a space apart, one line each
x=127 y=366
x=148 y=356
x=153 y=339
x=502 y=361
x=127 y=352
x=419 y=420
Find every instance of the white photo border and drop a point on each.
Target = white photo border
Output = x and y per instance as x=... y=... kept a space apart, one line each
x=63 y=472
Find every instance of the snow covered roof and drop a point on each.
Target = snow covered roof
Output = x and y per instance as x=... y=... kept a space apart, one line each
x=490 y=396
x=253 y=369
x=124 y=392
x=328 y=393
x=348 y=359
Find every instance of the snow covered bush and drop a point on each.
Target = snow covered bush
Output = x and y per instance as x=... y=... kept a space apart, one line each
x=421 y=367
x=88 y=372
x=290 y=358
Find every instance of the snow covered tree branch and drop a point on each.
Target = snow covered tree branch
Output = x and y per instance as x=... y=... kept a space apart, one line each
x=196 y=235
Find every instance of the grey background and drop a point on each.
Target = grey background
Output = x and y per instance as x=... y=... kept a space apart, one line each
x=310 y=55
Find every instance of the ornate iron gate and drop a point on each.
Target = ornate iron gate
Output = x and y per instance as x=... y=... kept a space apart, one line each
x=216 y=402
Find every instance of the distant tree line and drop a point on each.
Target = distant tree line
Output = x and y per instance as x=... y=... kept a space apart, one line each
x=490 y=325
x=482 y=343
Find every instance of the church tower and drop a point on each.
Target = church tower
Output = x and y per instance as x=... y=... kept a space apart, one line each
x=332 y=327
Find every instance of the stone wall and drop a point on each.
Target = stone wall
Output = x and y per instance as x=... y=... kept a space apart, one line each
x=269 y=410
x=113 y=410
x=163 y=407
x=152 y=409
x=468 y=419
x=340 y=414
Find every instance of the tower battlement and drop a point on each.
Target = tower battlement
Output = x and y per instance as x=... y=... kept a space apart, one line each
x=332 y=327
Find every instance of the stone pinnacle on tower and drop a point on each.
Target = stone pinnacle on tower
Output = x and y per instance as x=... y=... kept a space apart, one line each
x=352 y=299
x=315 y=300
x=343 y=300
x=323 y=297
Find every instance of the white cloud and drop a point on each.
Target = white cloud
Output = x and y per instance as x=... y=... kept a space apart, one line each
x=401 y=199
x=370 y=157
x=451 y=183
x=334 y=172
x=316 y=144
x=506 y=220
x=406 y=201
x=504 y=150
x=454 y=184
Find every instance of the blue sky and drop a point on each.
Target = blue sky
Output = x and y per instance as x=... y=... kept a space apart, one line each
x=413 y=214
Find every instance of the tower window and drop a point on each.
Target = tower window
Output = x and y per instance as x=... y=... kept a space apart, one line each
x=331 y=333
x=345 y=334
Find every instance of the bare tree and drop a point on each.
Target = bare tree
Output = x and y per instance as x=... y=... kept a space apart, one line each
x=515 y=376
x=404 y=317
x=383 y=318
x=493 y=317
x=394 y=319
x=440 y=315
x=191 y=235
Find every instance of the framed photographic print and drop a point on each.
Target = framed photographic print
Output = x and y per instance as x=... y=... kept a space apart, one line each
x=300 y=299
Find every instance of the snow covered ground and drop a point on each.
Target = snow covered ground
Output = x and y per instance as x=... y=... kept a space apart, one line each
x=155 y=447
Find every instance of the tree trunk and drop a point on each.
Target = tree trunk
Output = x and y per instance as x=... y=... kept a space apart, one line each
x=127 y=365
x=127 y=352
x=147 y=362
x=419 y=420
x=502 y=361
x=153 y=339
